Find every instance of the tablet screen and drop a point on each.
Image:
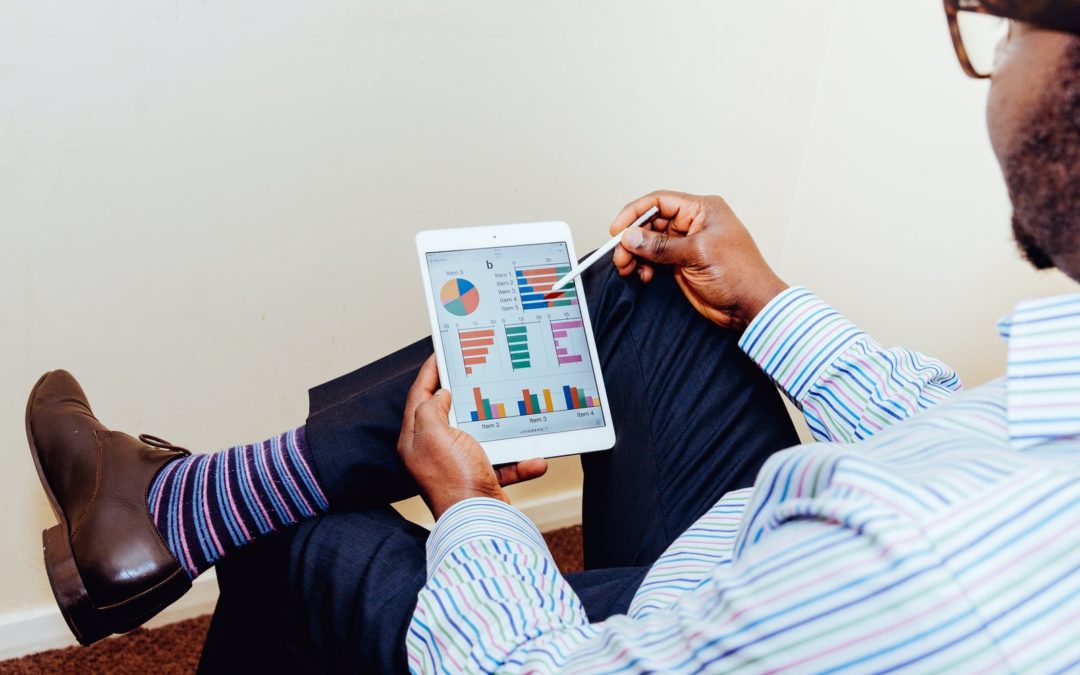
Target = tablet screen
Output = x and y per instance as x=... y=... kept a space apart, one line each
x=517 y=357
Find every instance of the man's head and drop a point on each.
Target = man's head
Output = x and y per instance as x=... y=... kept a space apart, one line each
x=1033 y=114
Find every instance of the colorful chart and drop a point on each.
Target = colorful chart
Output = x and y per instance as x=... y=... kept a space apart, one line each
x=560 y=332
x=517 y=341
x=535 y=403
x=576 y=399
x=531 y=403
x=534 y=285
x=475 y=345
x=516 y=352
x=485 y=410
x=459 y=297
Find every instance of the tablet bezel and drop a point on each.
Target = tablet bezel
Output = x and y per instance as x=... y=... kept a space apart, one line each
x=552 y=444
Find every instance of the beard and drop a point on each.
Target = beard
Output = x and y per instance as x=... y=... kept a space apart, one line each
x=1043 y=172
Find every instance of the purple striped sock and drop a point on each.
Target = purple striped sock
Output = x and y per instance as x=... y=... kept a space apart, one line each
x=207 y=505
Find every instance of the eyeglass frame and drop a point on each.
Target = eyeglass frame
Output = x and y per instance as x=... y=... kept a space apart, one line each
x=1056 y=15
x=952 y=9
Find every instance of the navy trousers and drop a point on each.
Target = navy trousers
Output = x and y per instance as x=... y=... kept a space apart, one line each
x=694 y=419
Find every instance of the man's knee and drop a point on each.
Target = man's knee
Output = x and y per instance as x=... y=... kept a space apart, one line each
x=353 y=582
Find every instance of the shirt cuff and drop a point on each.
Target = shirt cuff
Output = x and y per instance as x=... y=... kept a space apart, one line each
x=795 y=339
x=480 y=518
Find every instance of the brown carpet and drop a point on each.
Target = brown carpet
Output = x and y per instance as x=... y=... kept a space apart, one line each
x=176 y=648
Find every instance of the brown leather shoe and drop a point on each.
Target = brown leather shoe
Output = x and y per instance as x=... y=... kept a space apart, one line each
x=108 y=567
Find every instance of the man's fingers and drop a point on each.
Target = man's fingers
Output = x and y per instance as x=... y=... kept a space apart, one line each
x=427 y=380
x=632 y=212
x=435 y=410
x=671 y=205
x=432 y=414
x=425 y=384
x=520 y=472
x=658 y=247
x=624 y=261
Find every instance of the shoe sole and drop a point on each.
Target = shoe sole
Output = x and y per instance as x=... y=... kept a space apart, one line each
x=88 y=622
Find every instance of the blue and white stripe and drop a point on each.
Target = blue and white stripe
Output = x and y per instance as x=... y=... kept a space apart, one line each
x=931 y=530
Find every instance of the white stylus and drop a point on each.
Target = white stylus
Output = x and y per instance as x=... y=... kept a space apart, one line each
x=602 y=251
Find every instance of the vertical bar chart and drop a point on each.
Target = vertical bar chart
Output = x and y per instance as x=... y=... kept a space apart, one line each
x=475 y=345
x=530 y=403
x=534 y=287
x=517 y=340
x=576 y=398
x=534 y=404
x=485 y=409
x=560 y=332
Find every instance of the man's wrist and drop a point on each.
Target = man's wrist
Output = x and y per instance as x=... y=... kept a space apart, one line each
x=444 y=500
x=480 y=518
x=764 y=293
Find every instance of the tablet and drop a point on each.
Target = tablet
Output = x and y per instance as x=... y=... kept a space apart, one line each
x=519 y=360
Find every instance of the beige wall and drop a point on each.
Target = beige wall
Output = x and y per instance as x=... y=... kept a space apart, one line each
x=206 y=208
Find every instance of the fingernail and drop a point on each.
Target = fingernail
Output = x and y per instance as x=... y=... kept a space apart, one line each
x=633 y=237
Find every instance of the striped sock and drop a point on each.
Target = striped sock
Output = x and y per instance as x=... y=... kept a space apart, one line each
x=207 y=505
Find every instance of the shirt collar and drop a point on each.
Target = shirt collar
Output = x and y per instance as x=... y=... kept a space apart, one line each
x=1043 y=370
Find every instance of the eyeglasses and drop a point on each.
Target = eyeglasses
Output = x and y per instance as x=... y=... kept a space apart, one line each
x=976 y=35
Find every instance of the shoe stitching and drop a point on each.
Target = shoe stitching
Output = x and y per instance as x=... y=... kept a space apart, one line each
x=170 y=556
x=97 y=486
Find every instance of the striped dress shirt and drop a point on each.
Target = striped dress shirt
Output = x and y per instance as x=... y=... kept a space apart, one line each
x=929 y=529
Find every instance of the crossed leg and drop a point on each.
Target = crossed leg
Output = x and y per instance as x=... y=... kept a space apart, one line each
x=694 y=419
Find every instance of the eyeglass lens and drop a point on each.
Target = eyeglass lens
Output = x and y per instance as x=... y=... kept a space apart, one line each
x=981 y=35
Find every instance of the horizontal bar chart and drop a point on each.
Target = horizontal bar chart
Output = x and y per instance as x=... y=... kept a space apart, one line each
x=560 y=332
x=475 y=347
x=517 y=342
x=534 y=287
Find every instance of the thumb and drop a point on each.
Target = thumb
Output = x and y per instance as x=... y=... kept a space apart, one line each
x=658 y=247
x=441 y=401
x=435 y=410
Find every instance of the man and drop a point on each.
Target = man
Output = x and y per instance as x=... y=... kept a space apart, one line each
x=929 y=529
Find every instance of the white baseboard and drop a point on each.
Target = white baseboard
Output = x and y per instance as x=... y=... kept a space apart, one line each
x=554 y=511
x=551 y=512
x=41 y=628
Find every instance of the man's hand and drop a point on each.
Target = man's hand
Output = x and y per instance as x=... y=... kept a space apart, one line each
x=715 y=260
x=448 y=463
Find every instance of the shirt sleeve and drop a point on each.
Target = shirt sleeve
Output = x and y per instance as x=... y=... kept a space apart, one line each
x=704 y=548
x=847 y=385
x=495 y=602
x=492 y=586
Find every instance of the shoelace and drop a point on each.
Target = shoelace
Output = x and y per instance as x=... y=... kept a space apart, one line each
x=156 y=442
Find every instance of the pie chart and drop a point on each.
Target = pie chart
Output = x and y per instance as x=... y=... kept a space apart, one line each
x=459 y=297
